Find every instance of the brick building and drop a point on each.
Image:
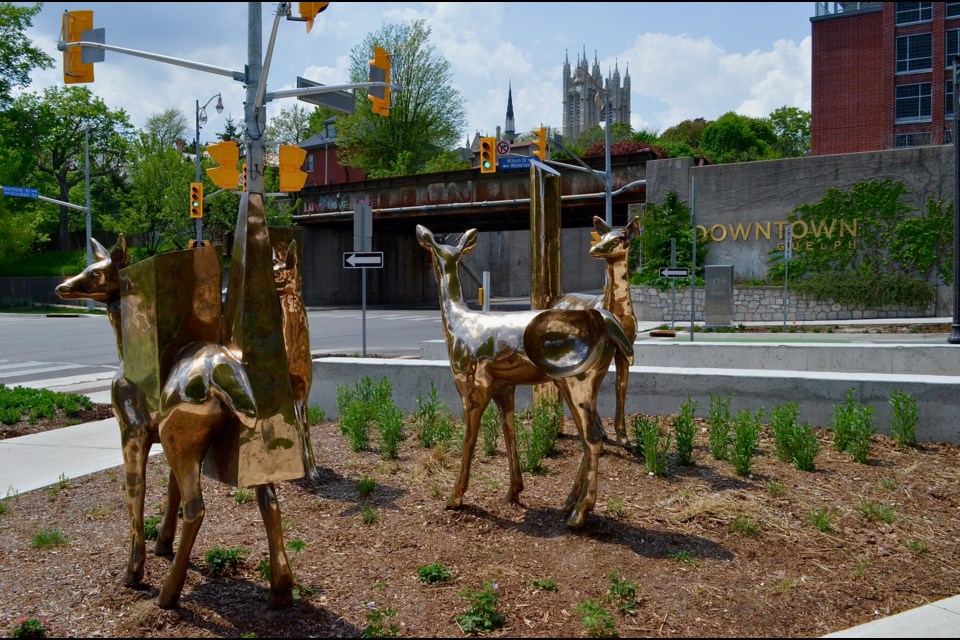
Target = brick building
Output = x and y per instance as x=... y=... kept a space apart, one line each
x=882 y=75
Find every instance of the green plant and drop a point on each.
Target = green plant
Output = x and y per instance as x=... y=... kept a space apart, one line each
x=783 y=424
x=623 y=594
x=860 y=568
x=315 y=415
x=360 y=406
x=877 y=512
x=718 y=426
x=616 y=507
x=377 y=626
x=221 y=562
x=744 y=526
x=822 y=519
x=860 y=434
x=776 y=490
x=29 y=628
x=389 y=423
x=663 y=222
x=537 y=435
x=433 y=573
x=366 y=486
x=61 y=485
x=243 y=496
x=264 y=569
x=296 y=545
x=746 y=435
x=844 y=416
x=655 y=446
x=431 y=421
x=904 y=426
x=888 y=484
x=151 y=527
x=684 y=430
x=369 y=514
x=543 y=585
x=682 y=556
x=490 y=429
x=597 y=622
x=482 y=614
x=806 y=447
x=3 y=507
x=918 y=546
x=38 y=404
x=46 y=538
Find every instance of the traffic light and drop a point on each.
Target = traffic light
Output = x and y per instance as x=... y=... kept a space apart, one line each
x=488 y=155
x=309 y=11
x=243 y=177
x=379 y=72
x=193 y=244
x=74 y=25
x=540 y=142
x=196 y=199
x=226 y=155
x=292 y=178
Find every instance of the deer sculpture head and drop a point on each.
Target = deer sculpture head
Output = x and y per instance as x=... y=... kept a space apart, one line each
x=100 y=281
x=614 y=243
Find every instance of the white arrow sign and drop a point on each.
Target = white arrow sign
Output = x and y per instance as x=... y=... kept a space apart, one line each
x=674 y=272
x=363 y=260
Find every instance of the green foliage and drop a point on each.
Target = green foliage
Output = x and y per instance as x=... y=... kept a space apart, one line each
x=366 y=486
x=616 y=506
x=20 y=56
x=151 y=527
x=432 y=421
x=315 y=415
x=544 y=585
x=783 y=423
x=860 y=434
x=38 y=404
x=744 y=526
x=877 y=512
x=776 y=489
x=296 y=545
x=792 y=128
x=822 y=519
x=805 y=447
x=482 y=614
x=718 y=426
x=686 y=132
x=243 y=495
x=362 y=406
x=682 y=556
x=427 y=117
x=377 y=626
x=537 y=435
x=28 y=627
x=369 y=515
x=623 y=594
x=433 y=573
x=661 y=223
x=490 y=429
x=265 y=570
x=221 y=562
x=736 y=138
x=843 y=419
x=746 y=435
x=685 y=430
x=904 y=426
x=46 y=538
x=652 y=444
x=390 y=427
x=60 y=485
x=597 y=622
x=918 y=545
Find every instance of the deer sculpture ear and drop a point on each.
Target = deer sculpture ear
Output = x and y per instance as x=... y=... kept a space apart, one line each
x=633 y=228
x=425 y=238
x=119 y=255
x=600 y=225
x=99 y=252
x=292 y=255
x=468 y=242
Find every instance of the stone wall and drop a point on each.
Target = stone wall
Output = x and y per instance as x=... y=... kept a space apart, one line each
x=762 y=304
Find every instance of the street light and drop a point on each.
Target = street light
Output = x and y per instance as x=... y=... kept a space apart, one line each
x=201 y=120
x=86 y=163
x=604 y=95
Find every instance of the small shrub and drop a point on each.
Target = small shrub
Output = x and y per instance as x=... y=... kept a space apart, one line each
x=682 y=556
x=861 y=432
x=264 y=569
x=623 y=594
x=490 y=429
x=744 y=526
x=806 y=447
x=296 y=545
x=3 y=507
x=877 y=512
x=222 y=562
x=655 y=447
x=718 y=426
x=61 y=485
x=482 y=614
x=918 y=546
x=783 y=424
x=433 y=573
x=243 y=496
x=746 y=435
x=431 y=421
x=389 y=422
x=684 y=430
x=822 y=519
x=543 y=585
x=46 y=538
x=843 y=415
x=360 y=406
x=365 y=486
x=315 y=415
x=151 y=527
x=538 y=439
x=776 y=490
x=377 y=626
x=369 y=515
x=616 y=507
x=904 y=427
x=29 y=628
x=889 y=484
x=597 y=622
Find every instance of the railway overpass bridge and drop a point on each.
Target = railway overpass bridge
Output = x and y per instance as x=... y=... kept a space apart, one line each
x=497 y=205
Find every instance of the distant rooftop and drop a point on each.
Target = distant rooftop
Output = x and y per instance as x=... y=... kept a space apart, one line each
x=825 y=9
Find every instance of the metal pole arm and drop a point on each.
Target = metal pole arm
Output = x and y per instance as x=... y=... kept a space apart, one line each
x=198 y=66
x=312 y=91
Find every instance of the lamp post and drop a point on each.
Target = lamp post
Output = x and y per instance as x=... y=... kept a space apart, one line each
x=602 y=94
x=86 y=178
x=955 y=327
x=201 y=120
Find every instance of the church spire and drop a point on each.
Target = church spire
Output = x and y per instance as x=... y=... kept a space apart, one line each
x=510 y=129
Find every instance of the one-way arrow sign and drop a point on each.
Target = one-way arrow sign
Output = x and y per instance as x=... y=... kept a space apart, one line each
x=674 y=272
x=363 y=260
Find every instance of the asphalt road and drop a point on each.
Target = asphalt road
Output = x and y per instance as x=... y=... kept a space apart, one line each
x=37 y=347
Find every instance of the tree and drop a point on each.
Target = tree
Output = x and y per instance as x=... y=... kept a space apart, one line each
x=736 y=138
x=687 y=132
x=18 y=56
x=168 y=126
x=290 y=126
x=427 y=117
x=51 y=126
x=661 y=223
x=231 y=130
x=792 y=128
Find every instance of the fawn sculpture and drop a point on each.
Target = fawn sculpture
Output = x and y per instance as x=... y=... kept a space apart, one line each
x=612 y=247
x=491 y=353
x=206 y=393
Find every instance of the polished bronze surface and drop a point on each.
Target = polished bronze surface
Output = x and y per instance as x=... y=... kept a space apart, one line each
x=545 y=265
x=488 y=359
x=613 y=247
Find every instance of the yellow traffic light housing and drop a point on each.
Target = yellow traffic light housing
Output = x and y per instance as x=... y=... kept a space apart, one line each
x=292 y=178
x=540 y=142
x=488 y=155
x=225 y=154
x=243 y=177
x=74 y=24
x=309 y=11
x=196 y=199
x=380 y=72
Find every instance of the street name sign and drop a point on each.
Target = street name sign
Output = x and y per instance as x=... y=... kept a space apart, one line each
x=20 y=192
x=519 y=162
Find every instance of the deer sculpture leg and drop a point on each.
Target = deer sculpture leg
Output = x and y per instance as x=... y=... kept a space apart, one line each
x=620 y=420
x=281 y=576
x=580 y=395
x=474 y=404
x=504 y=398
x=168 y=526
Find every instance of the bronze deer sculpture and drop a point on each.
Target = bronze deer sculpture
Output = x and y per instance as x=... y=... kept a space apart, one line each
x=205 y=391
x=491 y=353
x=612 y=247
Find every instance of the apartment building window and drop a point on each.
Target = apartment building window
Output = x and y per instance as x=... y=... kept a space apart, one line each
x=309 y=164
x=919 y=139
x=952 y=45
x=953 y=9
x=913 y=103
x=914 y=53
x=910 y=12
x=948 y=98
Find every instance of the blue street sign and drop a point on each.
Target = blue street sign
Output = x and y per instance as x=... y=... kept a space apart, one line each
x=20 y=192
x=519 y=162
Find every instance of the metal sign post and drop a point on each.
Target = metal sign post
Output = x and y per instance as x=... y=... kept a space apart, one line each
x=787 y=255
x=673 y=283
x=693 y=271
x=362 y=241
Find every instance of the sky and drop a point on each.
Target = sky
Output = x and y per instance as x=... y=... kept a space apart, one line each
x=686 y=59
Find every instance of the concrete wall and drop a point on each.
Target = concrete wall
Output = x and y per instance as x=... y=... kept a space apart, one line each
x=661 y=390
x=767 y=192
x=19 y=291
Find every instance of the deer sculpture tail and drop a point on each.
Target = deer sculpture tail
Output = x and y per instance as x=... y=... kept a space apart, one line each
x=569 y=342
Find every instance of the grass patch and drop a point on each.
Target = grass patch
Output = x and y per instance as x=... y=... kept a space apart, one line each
x=877 y=512
x=243 y=496
x=543 y=585
x=918 y=546
x=683 y=557
x=366 y=486
x=33 y=405
x=221 y=562
x=616 y=507
x=433 y=573
x=776 y=489
x=597 y=622
x=822 y=520
x=369 y=515
x=744 y=526
x=47 y=538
